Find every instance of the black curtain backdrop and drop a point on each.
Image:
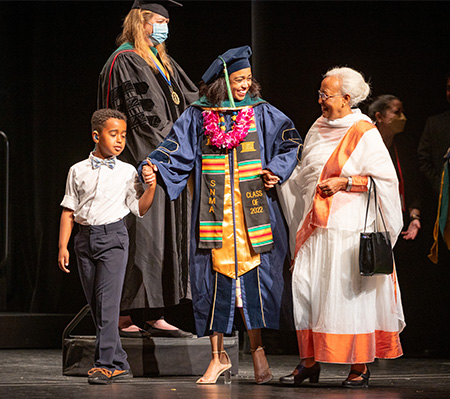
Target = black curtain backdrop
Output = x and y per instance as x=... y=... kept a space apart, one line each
x=53 y=51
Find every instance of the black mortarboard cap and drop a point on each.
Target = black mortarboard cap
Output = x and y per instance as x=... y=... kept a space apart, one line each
x=158 y=7
x=235 y=58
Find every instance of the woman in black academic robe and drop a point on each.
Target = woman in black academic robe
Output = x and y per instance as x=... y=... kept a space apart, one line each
x=149 y=87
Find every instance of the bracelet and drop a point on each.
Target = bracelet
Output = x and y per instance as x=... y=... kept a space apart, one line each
x=349 y=183
x=414 y=216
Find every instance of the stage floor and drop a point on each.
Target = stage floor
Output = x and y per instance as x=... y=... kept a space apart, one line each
x=37 y=374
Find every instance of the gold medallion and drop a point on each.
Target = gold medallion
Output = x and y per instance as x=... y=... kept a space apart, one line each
x=175 y=98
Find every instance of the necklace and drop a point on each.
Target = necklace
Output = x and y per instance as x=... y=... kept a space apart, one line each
x=162 y=71
x=215 y=129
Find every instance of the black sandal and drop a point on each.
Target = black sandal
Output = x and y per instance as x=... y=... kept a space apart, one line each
x=363 y=383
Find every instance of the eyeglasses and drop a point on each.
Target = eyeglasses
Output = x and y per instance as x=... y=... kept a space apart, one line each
x=325 y=97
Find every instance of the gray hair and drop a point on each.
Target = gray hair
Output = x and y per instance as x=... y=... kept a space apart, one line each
x=352 y=83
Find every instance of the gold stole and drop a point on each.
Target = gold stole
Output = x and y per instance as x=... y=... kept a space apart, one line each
x=223 y=259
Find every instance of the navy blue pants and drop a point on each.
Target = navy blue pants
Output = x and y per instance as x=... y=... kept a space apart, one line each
x=102 y=253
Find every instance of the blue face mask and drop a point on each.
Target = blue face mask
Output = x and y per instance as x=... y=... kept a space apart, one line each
x=160 y=33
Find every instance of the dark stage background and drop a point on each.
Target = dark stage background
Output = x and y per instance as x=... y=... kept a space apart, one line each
x=53 y=51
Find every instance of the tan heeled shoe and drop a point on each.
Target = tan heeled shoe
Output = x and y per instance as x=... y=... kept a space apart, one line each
x=263 y=373
x=226 y=370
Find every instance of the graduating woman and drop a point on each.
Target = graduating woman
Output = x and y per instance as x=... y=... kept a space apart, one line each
x=149 y=87
x=238 y=147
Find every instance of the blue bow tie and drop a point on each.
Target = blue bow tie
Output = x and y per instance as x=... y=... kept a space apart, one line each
x=97 y=162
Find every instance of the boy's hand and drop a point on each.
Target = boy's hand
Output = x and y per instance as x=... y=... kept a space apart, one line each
x=63 y=260
x=148 y=173
x=149 y=177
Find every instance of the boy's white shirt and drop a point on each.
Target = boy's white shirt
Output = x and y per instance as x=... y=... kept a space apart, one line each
x=103 y=195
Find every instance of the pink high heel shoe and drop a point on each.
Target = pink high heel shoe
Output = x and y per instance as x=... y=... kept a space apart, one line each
x=226 y=370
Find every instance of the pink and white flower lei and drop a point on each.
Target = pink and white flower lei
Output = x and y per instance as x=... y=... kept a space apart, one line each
x=235 y=136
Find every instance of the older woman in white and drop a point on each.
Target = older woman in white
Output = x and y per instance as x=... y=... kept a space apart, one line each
x=340 y=316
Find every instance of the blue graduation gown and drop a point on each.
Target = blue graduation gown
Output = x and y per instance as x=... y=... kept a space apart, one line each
x=266 y=298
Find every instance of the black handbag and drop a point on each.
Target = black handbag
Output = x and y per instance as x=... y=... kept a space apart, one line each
x=375 y=249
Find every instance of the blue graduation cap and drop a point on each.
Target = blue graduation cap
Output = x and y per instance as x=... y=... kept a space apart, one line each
x=156 y=6
x=233 y=60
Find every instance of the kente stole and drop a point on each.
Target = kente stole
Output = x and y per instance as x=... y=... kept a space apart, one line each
x=254 y=200
x=442 y=224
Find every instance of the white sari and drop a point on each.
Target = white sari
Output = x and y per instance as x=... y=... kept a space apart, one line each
x=340 y=316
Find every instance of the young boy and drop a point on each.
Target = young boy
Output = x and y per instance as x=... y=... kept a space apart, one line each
x=100 y=192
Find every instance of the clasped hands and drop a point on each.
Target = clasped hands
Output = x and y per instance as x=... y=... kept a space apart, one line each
x=149 y=173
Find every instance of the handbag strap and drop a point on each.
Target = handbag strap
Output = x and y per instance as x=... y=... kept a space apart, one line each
x=368 y=202
x=372 y=183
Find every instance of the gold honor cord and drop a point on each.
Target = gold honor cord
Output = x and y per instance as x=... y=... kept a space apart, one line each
x=227 y=80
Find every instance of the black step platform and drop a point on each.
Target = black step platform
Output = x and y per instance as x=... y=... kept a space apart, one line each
x=32 y=330
x=152 y=356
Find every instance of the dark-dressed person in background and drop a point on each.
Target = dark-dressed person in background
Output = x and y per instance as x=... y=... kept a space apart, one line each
x=434 y=144
x=238 y=148
x=341 y=316
x=149 y=87
x=387 y=113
